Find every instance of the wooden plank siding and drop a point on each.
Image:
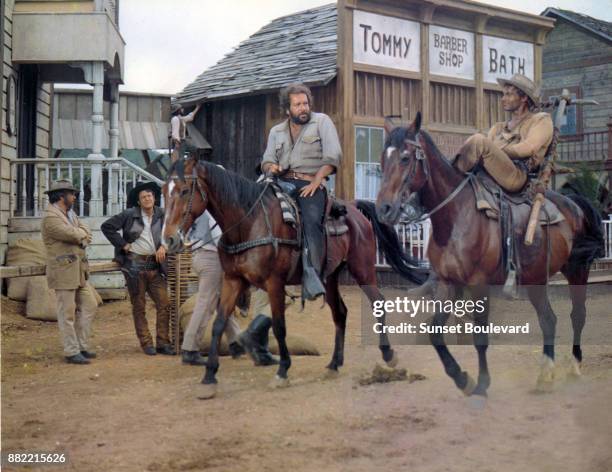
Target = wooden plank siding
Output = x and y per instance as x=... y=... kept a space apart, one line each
x=451 y=104
x=377 y=96
x=493 y=111
x=41 y=126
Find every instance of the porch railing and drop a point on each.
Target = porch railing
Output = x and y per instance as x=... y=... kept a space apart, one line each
x=592 y=146
x=30 y=178
x=413 y=239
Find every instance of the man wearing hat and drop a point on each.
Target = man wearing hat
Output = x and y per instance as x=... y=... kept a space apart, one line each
x=65 y=239
x=512 y=149
x=178 y=130
x=139 y=251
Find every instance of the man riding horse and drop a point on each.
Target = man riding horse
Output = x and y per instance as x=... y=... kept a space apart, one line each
x=303 y=150
x=513 y=149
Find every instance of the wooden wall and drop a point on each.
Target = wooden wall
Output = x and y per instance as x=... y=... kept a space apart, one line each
x=377 y=96
x=452 y=104
x=9 y=143
x=77 y=105
x=575 y=57
x=236 y=131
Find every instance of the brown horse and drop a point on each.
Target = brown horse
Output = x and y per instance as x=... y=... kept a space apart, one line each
x=465 y=249
x=258 y=248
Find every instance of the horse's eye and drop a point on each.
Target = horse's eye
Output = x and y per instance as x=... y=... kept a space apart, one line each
x=405 y=156
x=184 y=192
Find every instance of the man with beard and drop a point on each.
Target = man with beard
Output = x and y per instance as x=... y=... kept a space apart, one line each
x=65 y=239
x=512 y=149
x=304 y=150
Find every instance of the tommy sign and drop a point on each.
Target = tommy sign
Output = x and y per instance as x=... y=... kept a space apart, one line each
x=386 y=41
x=451 y=52
x=501 y=58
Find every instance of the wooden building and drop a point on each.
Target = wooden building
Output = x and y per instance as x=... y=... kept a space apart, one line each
x=578 y=57
x=365 y=60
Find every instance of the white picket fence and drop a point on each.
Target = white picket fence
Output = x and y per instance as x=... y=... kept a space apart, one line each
x=414 y=239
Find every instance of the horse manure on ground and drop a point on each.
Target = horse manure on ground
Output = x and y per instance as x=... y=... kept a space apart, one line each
x=383 y=374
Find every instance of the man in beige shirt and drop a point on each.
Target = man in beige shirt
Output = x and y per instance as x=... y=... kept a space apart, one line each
x=65 y=239
x=513 y=149
x=303 y=150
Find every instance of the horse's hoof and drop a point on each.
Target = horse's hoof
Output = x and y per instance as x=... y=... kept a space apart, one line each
x=207 y=391
x=574 y=372
x=470 y=386
x=279 y=382
x=477 y=402
x=546 y=379
x=331 y=374
x=393 y=361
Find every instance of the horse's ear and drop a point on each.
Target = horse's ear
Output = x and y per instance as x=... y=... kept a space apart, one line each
x=417 y=122
x=389 y=124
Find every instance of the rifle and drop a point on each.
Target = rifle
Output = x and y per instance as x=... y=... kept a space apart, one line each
x=560 y=103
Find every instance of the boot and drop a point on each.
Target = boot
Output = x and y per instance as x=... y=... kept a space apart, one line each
x=255 y=341
x=236 y=350
x=192 y=358
x=312 y=287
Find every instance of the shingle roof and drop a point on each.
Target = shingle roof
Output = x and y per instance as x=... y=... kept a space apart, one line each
x=599 y=27
x=296 y=48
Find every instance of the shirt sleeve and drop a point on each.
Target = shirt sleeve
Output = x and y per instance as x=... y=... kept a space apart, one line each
x=330 y=144
x=175 y=126
x=539 y=135
x=189 y=117
x=270 y=152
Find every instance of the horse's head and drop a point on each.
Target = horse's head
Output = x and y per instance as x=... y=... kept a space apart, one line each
x=404 y=170
x=185 y=199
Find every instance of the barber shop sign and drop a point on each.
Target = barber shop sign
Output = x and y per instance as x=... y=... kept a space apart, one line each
x=451 y=52
x=385 y=41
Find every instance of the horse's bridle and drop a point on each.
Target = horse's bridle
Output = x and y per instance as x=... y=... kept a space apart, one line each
x=420 y=156
x=235 y=248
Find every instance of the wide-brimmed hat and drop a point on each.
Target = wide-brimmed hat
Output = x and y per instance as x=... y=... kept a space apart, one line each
x=175 y=106
x=524 y=84
x=62 y=184
x=132 y=199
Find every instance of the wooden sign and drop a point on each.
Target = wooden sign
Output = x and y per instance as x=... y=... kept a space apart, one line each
x=502 y=58
x=386 y=41
x=451 y=52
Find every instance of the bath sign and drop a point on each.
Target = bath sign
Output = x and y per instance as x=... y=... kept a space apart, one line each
x=451 y=52
x=501 y=58
x=386 y=41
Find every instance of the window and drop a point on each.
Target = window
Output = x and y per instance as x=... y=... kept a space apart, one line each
x=571 y=123
x=369 y=143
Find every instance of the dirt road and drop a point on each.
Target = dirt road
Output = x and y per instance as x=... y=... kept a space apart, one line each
x=130 y=412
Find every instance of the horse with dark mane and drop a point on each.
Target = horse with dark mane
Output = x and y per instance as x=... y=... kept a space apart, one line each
x=258 y=248
x=465 y=248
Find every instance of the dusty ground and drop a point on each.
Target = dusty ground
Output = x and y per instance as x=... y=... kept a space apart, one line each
x=129 y=412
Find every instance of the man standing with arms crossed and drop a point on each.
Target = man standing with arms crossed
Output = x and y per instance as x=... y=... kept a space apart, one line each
x=65 y=239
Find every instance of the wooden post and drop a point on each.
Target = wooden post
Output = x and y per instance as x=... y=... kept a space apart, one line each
x=427 y=12
x=345 y=183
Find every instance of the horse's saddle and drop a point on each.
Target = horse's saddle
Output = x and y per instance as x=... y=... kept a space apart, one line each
x=488 y=195
x=335 y=211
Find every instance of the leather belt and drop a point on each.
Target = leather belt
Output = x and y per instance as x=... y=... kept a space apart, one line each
x=299 y=176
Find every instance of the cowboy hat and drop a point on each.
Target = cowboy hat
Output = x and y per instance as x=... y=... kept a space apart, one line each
x=175 y=106
x=524 y=84
x=62 y=184
x=132 y=199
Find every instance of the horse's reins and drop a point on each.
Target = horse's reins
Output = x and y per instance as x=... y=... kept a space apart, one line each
x=243 y=246
x=420 y=157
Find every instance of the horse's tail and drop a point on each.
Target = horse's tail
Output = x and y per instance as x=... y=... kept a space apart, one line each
x=388 y=241
x=589 y=245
